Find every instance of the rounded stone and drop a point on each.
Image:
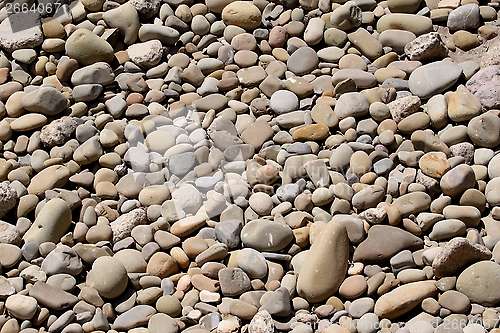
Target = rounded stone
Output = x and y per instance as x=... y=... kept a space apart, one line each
x=252 y=262
x=457 y=180
x=266 y=235
x=87 y=48
x=108 y=276
x=303 y=61
x=353 y=287
x=284 y=101
x=169 y=305
x=261 y=203
x=243 y=14
x=21 y=307
x=52 y=222
x=162 y=265
x=454 y=301
x=479 y=282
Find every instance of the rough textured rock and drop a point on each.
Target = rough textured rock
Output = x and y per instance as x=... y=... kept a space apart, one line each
x=458 y=254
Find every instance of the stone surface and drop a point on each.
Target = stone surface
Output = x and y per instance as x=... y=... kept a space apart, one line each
x=108 y=276
x=458 y=254
x=404 y=299
x=477 y=283
x=325 y=264
x=383 y=242
x=425 y=83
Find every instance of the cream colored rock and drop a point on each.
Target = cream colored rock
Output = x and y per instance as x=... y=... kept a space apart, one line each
x=51 y=223
x=243 y=14
x=404 y=298
x=325 y=265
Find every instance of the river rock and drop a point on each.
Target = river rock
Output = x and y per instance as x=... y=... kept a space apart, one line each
x=464 y=17
x=303 y=61
x=325 y=264
x=425 y=82
x=457 y=180
x=21 y=307
x=126 y=19
x=52 y=222
x=87 y=48
x=457 y=254
x=265 y=235
x=477 y=283
x=108 y=276
x=484 y=85
x=383 y=242
x=46 y=100
x=419 y=25
x=21 y=31
x=404 y=298
x=242 y=14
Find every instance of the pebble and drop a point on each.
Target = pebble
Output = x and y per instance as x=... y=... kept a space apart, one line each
x=424 y=83
x=108 y=276
x=404 y=298
x=474 y=280
x=265 y=235
x=51 y=223
x=333 y=244
x=87 y=48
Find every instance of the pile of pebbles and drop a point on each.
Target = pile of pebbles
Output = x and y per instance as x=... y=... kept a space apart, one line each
x=236 y=166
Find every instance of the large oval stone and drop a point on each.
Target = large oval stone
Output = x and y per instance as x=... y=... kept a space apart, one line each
x=325 y=264
x=433 y=78
x=243 y=14
x=108 y=276
x=51 y=223
x=404 y=298
x=266 y=235
x=480 y=283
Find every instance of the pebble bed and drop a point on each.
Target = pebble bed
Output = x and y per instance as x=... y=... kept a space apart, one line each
x=224 y=166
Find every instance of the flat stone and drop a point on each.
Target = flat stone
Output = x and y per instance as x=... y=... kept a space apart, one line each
x=311 y=132
x=425 y=82
x=383 y=242
x=52 y=297
x=22 y=30
x=266 y=235
x=458 y=254
x=302 y=61
x=51 y=223
x=454 y=301
x=28 y=122
x=352 y=104
x=233 y=281
x=136 y=316
x=417 y=24
x=404 y=298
